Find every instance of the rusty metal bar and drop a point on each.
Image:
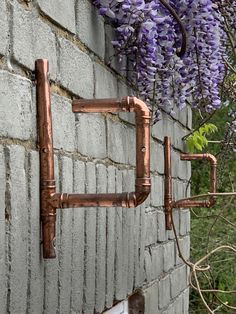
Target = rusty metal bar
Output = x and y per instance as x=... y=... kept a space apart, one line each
x=47 y=181
x=50 y=200
x=187 y=202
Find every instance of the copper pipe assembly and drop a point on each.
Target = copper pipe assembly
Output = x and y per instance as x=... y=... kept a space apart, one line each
x=50 y=200
x=187 y=202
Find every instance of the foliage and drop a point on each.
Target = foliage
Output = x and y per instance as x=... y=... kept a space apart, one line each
x=198 y=140
x=210 y=227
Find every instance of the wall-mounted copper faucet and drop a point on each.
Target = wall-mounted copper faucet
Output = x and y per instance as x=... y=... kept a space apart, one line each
x=187 y=202
x=50 y=200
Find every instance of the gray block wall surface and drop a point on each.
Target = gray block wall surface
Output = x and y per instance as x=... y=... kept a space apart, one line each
x=103 y=254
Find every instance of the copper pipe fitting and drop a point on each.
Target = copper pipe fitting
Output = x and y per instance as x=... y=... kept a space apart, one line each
x=49 y=199
x=187 y=202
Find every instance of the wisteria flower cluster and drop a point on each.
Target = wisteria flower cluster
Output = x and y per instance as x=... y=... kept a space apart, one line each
x=149 y=35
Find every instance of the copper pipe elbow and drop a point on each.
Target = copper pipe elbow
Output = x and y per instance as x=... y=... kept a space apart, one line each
x=187 y=202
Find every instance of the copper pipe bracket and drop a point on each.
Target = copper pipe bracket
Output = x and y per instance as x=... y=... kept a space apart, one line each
x=169 y=204
x=49 y=199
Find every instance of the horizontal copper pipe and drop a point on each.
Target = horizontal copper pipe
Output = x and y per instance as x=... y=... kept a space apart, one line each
x=49 y=199
x=65 y=200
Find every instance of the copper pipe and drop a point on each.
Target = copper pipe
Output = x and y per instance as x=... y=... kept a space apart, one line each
x=130 y=104
x=187 y=202
x=168 y=182
x=50 y=200
x=47 y=181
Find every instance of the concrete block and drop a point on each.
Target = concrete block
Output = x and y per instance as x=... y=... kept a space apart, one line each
x=90 y=244
x=170 y=310
x=3 y=27
x=162 y=233
x=105 y=82
x=176 y=223
x=175 y=164
x=151 y=299
x=137 y=246
x=76 y=70
x=18 y=117
x=128 y=185
x=124 y=91
x=150 y=228
x=125 y=250
x=3 y=268
x=178 y=281
x=18 y=238
x=32 y=39
x=90 y=27
x=121 y=143
x=157 y=192
x=164 y=292
x=63 y=13
x=36 y=282
x=180 y=189
x=183 y=115
x=65 y=244
x=179 y=133
x=111 y=57
x=110 y=230
x=100 y=292
x=168 y=127
x=178 y=305
x=130 y=223
x=77 y=272
x=185 y=301
x=63 y=122
x=118 y=275
x=157 y=261
x=169 y=256
x=184 y=244
x=142 y=242
x=148 y=265
x=184 y=227
x=158 y=130
x=91 y=134
x=128 y=180
x=184 y=169
x=189 y=118
x=157 y=157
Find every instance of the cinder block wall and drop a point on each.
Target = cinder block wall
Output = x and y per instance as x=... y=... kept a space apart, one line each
x=103 y=254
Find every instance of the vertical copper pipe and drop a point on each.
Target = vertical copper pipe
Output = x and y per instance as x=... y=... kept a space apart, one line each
x=47 y=181
x=168 y=182
x=142 y=119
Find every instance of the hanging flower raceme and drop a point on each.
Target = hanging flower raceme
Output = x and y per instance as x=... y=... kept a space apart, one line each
x=149 y=34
